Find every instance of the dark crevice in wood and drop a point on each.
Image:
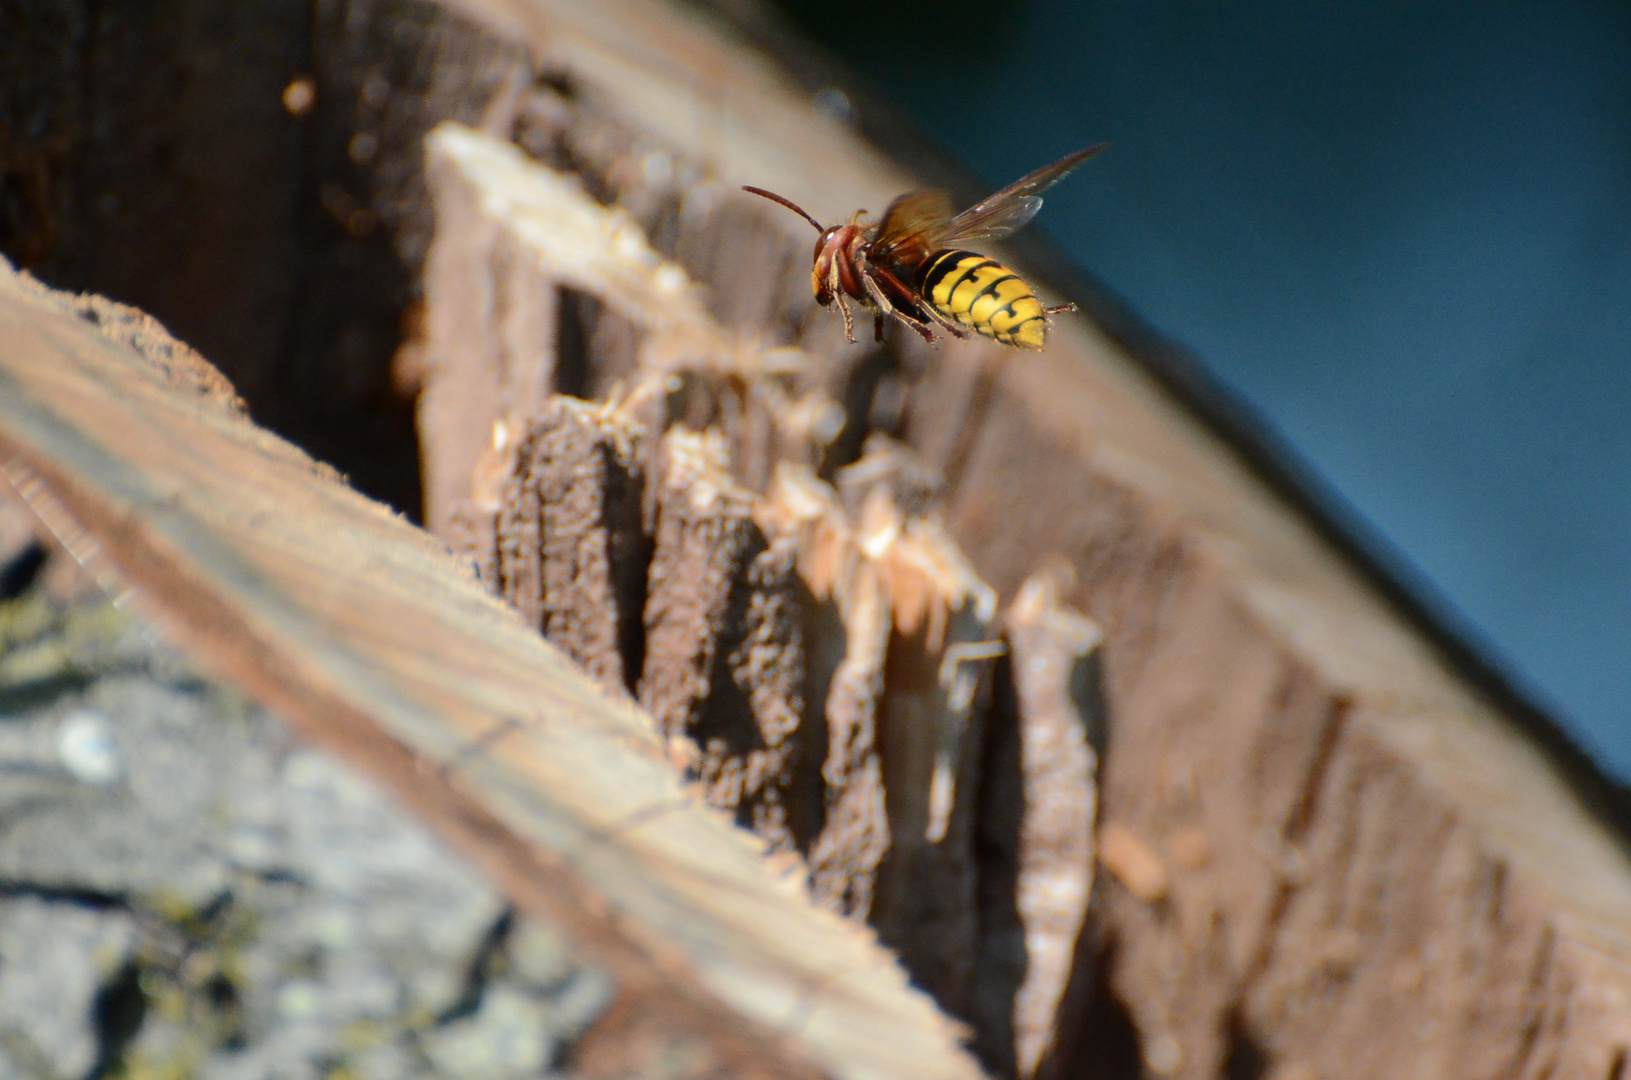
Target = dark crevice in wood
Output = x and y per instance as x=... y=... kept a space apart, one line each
x=1102 y=1041
x=1245 y=1058
x=574 y=335
x=1000 y=965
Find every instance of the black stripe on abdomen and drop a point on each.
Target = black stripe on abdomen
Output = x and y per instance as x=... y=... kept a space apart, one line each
x=942 y=263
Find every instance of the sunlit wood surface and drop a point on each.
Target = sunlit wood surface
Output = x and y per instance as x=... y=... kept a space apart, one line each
x=369 y=638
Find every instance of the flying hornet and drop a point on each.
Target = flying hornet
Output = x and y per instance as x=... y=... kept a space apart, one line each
x=906 y=267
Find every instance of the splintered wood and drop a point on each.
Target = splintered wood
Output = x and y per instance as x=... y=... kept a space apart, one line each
x=935 y=677
x=512 y=239
x=821 y=657
x=846 y=638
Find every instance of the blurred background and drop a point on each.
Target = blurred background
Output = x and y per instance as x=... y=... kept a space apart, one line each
x=1401 y=233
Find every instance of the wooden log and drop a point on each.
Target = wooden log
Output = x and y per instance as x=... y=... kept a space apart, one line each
x=367 y=638
x=1328 y=795
x=571 y=544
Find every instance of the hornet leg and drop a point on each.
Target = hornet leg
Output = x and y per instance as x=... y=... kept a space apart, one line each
x=849 y=320
x=880 y=298
x=955 y=329
x=952 y=328
x=835 y=286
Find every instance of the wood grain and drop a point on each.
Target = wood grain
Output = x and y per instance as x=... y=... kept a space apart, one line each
x=369 y=638
x=1372 y=866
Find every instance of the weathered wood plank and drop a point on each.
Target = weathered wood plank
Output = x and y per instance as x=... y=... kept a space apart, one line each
x=368 y=638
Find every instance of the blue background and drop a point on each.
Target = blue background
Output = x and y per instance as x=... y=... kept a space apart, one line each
x=1401 y=232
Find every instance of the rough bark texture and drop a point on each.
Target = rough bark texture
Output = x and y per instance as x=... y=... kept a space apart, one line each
x=724 y=661
x=572 y=547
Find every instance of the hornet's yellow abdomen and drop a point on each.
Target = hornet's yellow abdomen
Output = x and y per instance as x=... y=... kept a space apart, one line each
x=985 y=296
